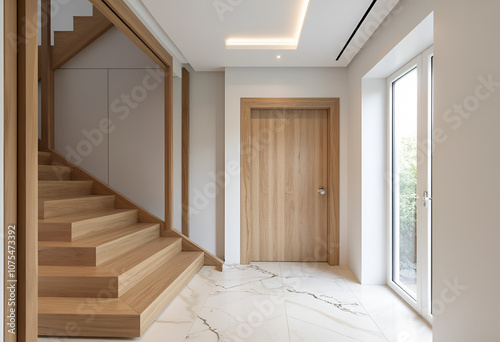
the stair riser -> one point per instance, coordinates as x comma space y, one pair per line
63, 189
90, 256
139, 272
120, 246
44, 158
53, 232
58, 208
72, 231
89, 324
66, 256
54, 173
92, 287
104, 287
100, 224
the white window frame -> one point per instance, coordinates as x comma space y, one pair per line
423, 303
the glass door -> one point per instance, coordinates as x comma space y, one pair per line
410, 103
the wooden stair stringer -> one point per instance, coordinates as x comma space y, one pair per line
86, 30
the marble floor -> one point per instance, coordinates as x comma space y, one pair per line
282, 302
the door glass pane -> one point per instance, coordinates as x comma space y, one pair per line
405, 97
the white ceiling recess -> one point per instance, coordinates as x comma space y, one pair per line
199, 30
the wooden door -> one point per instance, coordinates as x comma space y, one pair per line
289, 163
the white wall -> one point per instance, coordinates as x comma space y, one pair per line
374, 198
136, 160
109, 111
466, 185
277, 82
206, 160
367, 177
466, 176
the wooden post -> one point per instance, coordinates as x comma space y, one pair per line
10, 156
185, 152
27, 167
47, 78
169, 151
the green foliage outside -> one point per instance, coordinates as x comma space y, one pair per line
408, 205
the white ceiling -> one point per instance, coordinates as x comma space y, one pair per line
200, 28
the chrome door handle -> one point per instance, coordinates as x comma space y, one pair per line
322, 191
427, 199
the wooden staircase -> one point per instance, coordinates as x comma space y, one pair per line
67, 44
104, 271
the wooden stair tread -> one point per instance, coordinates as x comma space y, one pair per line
85, 216
112, 268
74, 306
75, 198
144, 293
131, 314
72, 198
102, 238
48, 167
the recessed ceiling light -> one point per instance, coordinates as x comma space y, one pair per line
278, 57
271, 43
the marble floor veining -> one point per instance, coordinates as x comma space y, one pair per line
282, 302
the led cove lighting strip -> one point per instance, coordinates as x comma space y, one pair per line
270, 43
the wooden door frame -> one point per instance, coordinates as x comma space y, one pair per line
332, 107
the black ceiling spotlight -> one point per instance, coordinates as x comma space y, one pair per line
357, 28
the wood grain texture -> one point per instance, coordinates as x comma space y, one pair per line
116, 276
99, 188
169, 151
70, 228
267, 147
63, 189
289, 164
48, 208
10, 138
144, 216
27, 190
47, 78
44, 158
188, 245
96, 249
334, 182
86, 30
114, 319
124, 19
128, 316
148, 298
54, 172
185, 151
